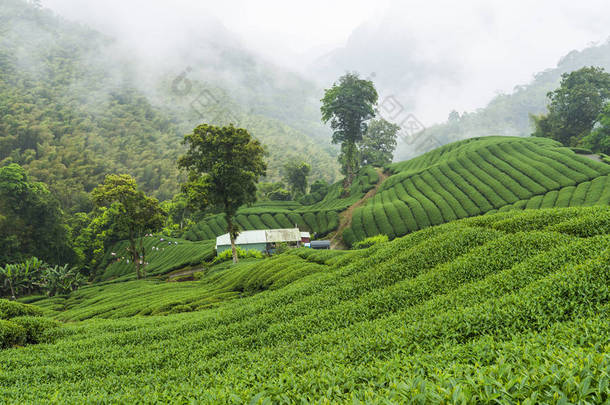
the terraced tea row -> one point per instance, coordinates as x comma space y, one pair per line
320, 218
504, 307
474, 177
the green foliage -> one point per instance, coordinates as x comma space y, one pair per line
73, 109
378, 143
371, 241
60, 280
582, 151
317, 192
599, 138
11, 334
31, 222
241, 253
463, 312
37, 329
226, 164
347, 106
134, 213
21, 278
12, 309
164, 256
272, 192
476, 176
295, 174
575, 106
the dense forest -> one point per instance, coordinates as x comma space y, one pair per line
74, 109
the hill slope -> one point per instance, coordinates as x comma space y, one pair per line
458, 180
74, 108
477, 176
505, 307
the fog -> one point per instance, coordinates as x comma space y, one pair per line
435, 56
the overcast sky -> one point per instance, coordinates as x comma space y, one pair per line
497, 44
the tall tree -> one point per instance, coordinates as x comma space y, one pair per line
136, 213
378, 143
295, 174
348, 105
224, 165
575, 106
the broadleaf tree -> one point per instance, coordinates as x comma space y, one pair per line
378, 143
224, 165
575, 106
136, 213
347, 106
295, 174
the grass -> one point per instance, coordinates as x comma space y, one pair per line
501, 308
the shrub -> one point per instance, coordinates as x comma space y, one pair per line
11, 334
37, 329
582, 151
227, 255
12, 309
370, 241
180, 309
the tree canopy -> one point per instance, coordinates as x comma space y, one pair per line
378, 143
347, 106
575, 106
134, 213
31, 221
295, 174
224, 165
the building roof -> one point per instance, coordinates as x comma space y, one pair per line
261, 236
305, 235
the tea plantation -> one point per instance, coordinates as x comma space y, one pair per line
319, 218
476, 176
511, 307
459, 180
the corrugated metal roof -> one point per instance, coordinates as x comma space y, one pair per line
261, 236
305, 235
283, 235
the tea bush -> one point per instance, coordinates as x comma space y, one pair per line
477, 176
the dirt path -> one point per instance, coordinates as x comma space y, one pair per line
173, 276
345, 218
597, 158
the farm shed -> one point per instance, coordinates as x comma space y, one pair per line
262, 240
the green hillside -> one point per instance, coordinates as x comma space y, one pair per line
478, 176
459, 180
74, 109
503, 308
320, 218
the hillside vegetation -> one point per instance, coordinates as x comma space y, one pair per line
320, 218
458, 180
477, 176
508, 307
75, 107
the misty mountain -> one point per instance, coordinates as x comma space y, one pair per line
509, 114
76, 104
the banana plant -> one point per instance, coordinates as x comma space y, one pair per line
8, 274
60, 280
